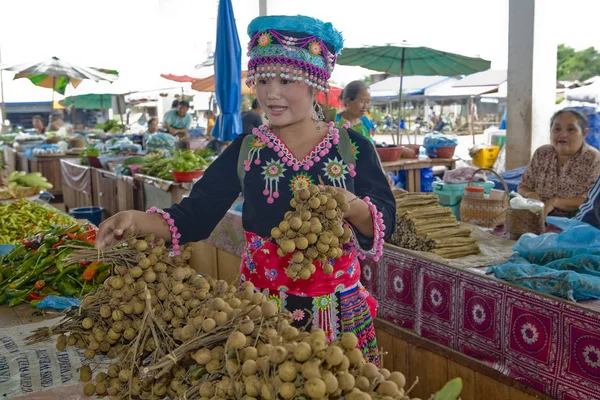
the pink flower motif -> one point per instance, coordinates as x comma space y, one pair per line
257, 161
298, 315
270, 200
266, 192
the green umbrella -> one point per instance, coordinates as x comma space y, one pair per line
407, 60
89, 101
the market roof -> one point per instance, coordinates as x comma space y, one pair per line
389, 88
490, 77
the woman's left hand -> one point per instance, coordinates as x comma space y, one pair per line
549, 206
356, 205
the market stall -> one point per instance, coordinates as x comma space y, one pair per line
77, 184
161, 193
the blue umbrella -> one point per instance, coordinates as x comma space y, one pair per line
228, 75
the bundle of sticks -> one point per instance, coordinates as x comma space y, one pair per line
423, 225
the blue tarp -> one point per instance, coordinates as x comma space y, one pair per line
565, 264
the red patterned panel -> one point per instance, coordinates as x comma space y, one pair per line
369, 277
531, 333
584, 350
437, 298
436, 336
490, 358
403, 321
479, 314
400, 284
527, 379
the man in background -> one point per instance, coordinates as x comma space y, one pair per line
177, 121
252, 119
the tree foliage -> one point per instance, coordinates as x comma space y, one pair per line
577, 65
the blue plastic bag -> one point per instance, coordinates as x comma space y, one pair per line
59, 303
435, 140
426, 179
577, 278
565, 264
575, 235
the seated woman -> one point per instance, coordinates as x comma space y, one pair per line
152, 130
356, 99
560, 174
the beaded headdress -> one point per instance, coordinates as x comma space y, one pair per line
296, 48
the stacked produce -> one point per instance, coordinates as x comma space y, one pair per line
182, 161
170, 332
423, 225
42, 265
21, 184
23, 218
314, 231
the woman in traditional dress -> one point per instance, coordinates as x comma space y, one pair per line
291, 59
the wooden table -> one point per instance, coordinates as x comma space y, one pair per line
413, 169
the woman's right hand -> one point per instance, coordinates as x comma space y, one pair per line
111, 230
141, 223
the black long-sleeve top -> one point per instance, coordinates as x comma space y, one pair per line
211, 197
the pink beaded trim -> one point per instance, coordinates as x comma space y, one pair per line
378, 233
174, 234
286, 156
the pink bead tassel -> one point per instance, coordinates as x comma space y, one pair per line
378, 233
172, 228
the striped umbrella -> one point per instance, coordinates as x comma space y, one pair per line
57, 74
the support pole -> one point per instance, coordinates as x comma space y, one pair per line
262, 8
530, 95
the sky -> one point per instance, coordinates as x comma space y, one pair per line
143, 38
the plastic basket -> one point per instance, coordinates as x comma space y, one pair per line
485, 158
441, 152
387, 154
487, 213
187, 176
450, 194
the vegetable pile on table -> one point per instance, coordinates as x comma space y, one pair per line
170, 332
21, 184
182, 161
24, 218
41, 266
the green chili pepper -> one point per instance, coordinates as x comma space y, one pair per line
51, 240
15, 301
15, 292
34, 303
66, 289
73, 267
